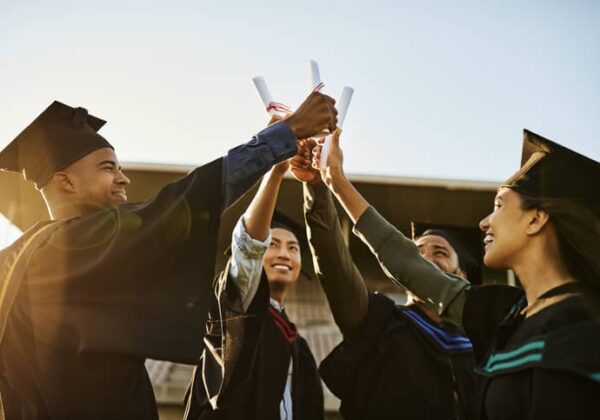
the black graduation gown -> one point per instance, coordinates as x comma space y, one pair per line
100, 293
400, 365
260, 373
546, 366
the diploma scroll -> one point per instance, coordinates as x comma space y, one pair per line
343, 103
342, 107
272, 107
314, 76
315, 85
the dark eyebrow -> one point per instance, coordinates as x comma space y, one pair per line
111, 163
288, 243
442, 247
108, 162
436, 247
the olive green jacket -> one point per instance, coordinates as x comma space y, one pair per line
342, 282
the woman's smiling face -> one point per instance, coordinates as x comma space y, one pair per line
505, 229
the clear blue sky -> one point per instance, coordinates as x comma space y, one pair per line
442, 88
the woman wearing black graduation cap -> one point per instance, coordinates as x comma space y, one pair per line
545, 355
538, 348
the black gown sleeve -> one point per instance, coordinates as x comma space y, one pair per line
138, 280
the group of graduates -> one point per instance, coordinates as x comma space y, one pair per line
87, 296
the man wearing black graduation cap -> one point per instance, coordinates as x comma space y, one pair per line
87, 296
395, 361
274, 376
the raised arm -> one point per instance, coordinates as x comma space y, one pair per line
252, 236
245, 164
342, 282
397, 255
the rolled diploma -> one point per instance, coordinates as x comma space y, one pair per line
343, 103
342, 107
314, 76
272, 107
263, 90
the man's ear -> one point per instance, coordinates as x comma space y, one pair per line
64, 182
539, 219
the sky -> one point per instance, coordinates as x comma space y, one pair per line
443, 89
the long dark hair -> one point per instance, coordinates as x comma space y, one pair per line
578, 232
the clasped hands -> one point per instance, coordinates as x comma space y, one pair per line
315, 114
306, 165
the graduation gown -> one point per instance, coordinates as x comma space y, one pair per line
546, 366
88, 299
264, 346
401, 365
103, 291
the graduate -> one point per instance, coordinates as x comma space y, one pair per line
395, 361
537, 348
275, 374
88, 295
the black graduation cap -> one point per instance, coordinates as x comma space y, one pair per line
58, 137
550, 170
283, 221
466, 241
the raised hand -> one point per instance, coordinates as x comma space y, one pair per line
314, 115
334, 167
300, 164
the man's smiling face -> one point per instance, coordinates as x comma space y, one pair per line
282, 259
98, 180
439, 251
